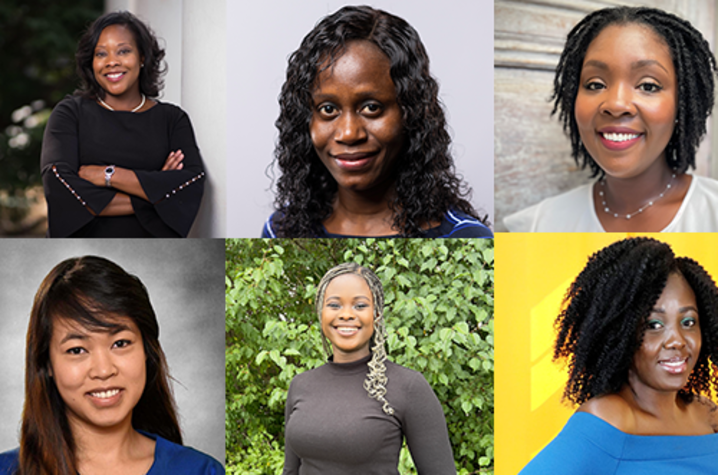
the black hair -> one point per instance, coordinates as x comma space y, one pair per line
604, 317
151, 82
426, 183
693, 61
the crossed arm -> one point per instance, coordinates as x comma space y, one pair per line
125, 182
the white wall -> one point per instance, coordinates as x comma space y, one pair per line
458, 35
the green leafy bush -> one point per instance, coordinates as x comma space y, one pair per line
439, 318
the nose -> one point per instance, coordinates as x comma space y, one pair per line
103, 366
619, 101
350, 128
674, 339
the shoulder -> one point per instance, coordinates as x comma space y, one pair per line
612, 409
706, 185
706, 410
585, 445
408, 381
9, 461
461, 225
69, 106
554, 213
177, 459
268, 228
169, 111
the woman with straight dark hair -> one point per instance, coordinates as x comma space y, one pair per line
116, 162
97, 391
351, 415
363, 144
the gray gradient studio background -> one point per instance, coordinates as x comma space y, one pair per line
458, 36
185, 280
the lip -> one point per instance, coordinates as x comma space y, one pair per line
627, 137
122, 74
353, 330
100, 397
354, 161
674, 365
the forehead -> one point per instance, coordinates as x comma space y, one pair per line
678, 290
630, 41
62, 326
348, 284
115, 34
362, 64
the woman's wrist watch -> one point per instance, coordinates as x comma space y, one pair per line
109, 171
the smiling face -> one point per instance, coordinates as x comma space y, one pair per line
100, 375
117, 61
356, 124
671, 342
626, 102
348, 317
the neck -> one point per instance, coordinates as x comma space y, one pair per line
362, 213
108, 443
125, 102
627, 195
662, 405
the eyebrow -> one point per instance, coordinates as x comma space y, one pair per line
355, 297
634, 65
680, 310
84, 336
118, 45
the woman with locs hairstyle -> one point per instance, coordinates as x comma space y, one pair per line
639, 331
117, 162
633, 90
351, 415
98, 398
358, 163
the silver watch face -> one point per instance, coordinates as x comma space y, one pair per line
110, 170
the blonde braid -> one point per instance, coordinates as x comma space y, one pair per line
376, 380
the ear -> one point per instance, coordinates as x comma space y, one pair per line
49, 370
142, 62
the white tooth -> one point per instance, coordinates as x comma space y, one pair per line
614, 137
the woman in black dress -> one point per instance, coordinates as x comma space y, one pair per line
115, 161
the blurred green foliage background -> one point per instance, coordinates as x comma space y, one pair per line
439, 318
38, 39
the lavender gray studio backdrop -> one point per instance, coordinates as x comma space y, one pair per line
458, 36
185, 280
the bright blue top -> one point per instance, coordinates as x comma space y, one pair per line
454, 225
588, 445
170, 459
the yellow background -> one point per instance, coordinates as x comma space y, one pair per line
532, 274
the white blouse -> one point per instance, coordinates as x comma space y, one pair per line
574, 211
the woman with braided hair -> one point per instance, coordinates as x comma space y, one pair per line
639, 331
363, 145
633, 89
351, 415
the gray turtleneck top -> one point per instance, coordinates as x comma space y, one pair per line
334, 427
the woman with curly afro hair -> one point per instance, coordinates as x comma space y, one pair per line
117, 162
639, 331
363, 147
633, 90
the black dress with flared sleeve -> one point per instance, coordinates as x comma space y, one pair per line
81, 132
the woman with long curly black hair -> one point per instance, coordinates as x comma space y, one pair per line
633, 89
116, 162
639, 331
363, 147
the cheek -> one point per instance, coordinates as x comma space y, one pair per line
583, 112
318, 133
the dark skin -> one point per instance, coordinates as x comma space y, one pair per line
648, 403
625, 111
357, 132
117, 63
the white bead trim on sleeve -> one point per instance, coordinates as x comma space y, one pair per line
67, 185
185, 185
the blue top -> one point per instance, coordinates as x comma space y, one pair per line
455, 224
591, 446
170, 459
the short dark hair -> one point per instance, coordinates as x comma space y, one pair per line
604, 317
426, 185
151, 82
91, 291
693, 61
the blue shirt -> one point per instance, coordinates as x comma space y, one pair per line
170, 459
588, 445
455, 224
